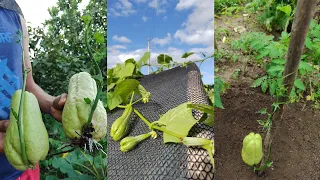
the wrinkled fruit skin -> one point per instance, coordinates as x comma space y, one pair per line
34, 131
120, 126
252, 149
76, 111
128, 143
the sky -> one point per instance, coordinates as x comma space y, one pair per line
173, 26
36, 11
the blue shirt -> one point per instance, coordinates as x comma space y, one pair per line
10, 75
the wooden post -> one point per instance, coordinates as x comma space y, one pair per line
302, 18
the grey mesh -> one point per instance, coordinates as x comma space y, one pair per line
151, 159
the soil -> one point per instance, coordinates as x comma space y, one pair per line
295, 151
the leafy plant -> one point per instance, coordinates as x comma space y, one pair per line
271, 54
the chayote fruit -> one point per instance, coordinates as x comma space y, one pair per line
120, 126
76, 111
34, 133
252, 149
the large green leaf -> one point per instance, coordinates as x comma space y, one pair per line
178, 120
164, 59
125, 88
125, 70
113, 100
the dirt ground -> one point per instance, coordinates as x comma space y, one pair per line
295, 151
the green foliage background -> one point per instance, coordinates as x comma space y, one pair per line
58, 52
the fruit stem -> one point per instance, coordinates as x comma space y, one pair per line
97, 70
20, 124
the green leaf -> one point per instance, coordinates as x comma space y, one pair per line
305, 66
125, 88
217, 98
273, 87
264, 86
87, 100
178, 120
286, 9
276, 68
86, 19
164, 59
209, 121
144, 59
279, 61
187, 54
299, 84
308, 43
258, 81
113, 100
110, 86
262, 111
207, 109
202, 107
125, 70
99, 37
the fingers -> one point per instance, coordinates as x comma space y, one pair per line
57, 114
59, 101
2, 142
4, 125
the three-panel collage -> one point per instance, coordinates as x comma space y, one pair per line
160, 90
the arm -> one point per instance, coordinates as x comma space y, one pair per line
48, 104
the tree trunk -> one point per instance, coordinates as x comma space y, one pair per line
303, 15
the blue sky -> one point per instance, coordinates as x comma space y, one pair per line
174, 27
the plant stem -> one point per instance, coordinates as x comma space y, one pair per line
97, 69
137, 101
142, 118
168, 132
157, 127
20, 124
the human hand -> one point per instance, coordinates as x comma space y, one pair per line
57, 107
3, 128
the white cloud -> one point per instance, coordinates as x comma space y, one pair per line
198, 28
140, 1
122, 8
121, 39
162, 41
118, 54
158, 5
144, 18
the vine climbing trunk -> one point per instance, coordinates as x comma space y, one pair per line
303, 15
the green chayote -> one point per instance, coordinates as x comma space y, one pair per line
120, 126
34, 132
76, 110
128, 143
252, 149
